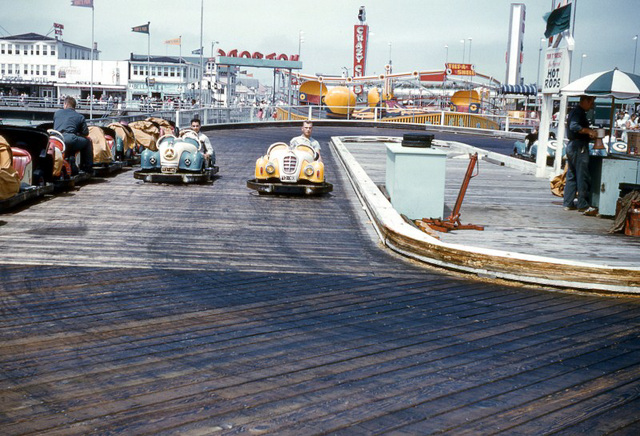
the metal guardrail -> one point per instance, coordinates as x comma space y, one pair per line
413, 116
181, 113
18, 101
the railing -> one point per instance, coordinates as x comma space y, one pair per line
250, 114
181, 113
440, 118
18, 101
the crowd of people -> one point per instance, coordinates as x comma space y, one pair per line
264, 111
626, 122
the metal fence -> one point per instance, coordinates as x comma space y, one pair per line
19, 101
181, 113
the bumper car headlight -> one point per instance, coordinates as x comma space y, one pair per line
308, 171
270, 168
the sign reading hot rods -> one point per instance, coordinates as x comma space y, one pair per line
360, 33
556, 70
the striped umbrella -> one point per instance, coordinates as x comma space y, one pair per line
613, 83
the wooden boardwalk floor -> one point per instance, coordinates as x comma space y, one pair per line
517, 210
216, 311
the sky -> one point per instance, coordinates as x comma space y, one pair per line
412, 33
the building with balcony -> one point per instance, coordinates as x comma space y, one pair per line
34, 65
29, 63
162, 77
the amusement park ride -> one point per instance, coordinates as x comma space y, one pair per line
338, 97
357, 96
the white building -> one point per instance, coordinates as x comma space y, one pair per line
110, 78
29, 63
162, 77
40, 66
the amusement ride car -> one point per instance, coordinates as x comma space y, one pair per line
26, 165
176, 160
290, 170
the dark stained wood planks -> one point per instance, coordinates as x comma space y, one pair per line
220, 312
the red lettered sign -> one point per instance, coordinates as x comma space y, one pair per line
360, 33
460, 70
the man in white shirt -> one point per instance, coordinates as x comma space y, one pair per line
305, 138
209, 154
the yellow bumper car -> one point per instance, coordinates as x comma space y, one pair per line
290, 170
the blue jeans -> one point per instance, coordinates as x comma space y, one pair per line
578, 175
75, 143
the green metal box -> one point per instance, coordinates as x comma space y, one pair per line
415, 180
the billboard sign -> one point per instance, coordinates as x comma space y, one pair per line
556, 63
460, 70
360, 34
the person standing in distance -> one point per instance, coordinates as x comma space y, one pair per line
209, 155
579, 135
74, 130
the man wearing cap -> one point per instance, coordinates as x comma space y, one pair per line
579, 135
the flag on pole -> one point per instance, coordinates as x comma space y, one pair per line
197, 51
144, 28
558, 21
174, 41
84, 3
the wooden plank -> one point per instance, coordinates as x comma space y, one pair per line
220, 311
267, 417
518, 212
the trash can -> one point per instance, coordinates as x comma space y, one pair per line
415, 179
632, 223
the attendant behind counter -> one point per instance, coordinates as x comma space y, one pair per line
579, 135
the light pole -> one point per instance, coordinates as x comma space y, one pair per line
539, 55
469, 49
212, 44
300, 41
635, 54
389, 53
201, 47
446, 54
346, 74
464, 47
581, 61
213, 66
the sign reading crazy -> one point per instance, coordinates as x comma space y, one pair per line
360, 33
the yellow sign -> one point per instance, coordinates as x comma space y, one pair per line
460, 70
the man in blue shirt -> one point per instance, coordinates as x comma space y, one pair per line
579, 135
74, 129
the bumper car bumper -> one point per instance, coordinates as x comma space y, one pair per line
104, 169
67, 184
24, 195
300, 188
187, 178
